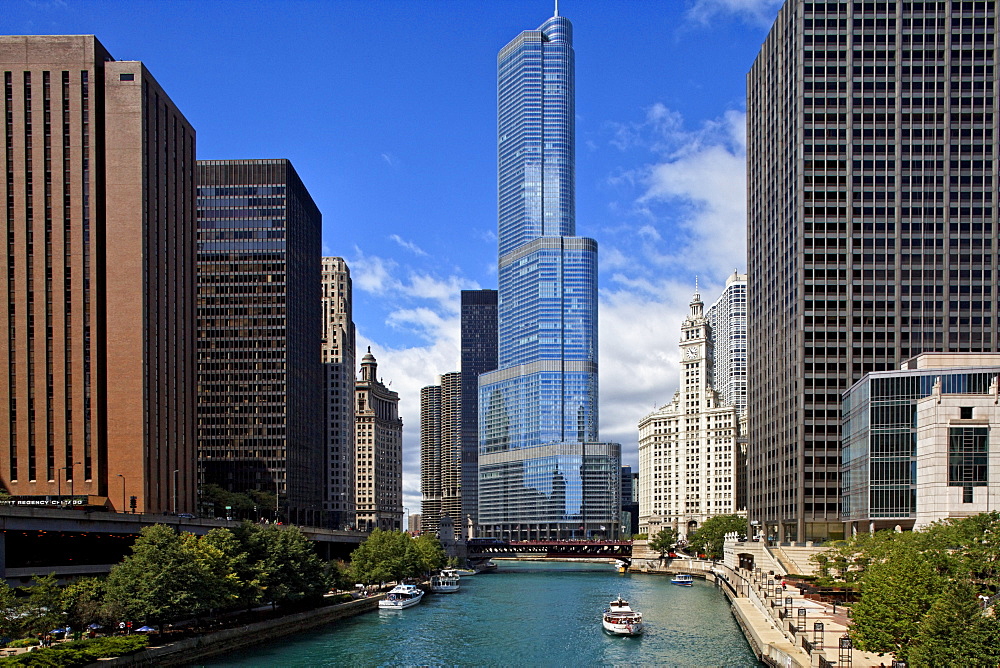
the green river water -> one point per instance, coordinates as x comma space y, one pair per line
527, 614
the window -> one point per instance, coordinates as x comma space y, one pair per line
966, 412
126, 76
967, 456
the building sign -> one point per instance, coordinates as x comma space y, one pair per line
45, 501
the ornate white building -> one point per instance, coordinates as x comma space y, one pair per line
688, 451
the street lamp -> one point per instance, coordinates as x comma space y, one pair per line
176, 471
276, 491
72, 482
123, 492
70, 479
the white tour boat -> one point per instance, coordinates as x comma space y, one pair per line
621, 620
401, 596
683, 579
445, 582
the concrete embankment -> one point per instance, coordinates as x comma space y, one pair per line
191, 650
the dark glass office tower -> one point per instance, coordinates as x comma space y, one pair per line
872, 224
479, 355
542, 472
260, 398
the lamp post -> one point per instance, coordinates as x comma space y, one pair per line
406, 518
176, 471
123, 492
276, 491
72, 483
70, 479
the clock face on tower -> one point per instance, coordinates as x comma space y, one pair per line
691, 353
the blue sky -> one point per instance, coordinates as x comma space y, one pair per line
387, 109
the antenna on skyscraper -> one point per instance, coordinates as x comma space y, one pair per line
557, 8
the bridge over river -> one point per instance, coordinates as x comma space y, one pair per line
480, 549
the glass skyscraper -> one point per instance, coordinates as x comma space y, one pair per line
542, 471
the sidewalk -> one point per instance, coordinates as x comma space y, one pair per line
835, 626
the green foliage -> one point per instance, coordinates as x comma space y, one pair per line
79, 652
431, 554
83, 602
41, 610
918, 590
955, 632
338, 575
708, 539
285, 563
895, 594
663, 541
640, 536
242, 505
10, 617
385, 556
164, 578
24, 642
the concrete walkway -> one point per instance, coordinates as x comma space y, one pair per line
777, 622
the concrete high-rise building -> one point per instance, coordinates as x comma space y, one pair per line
727, 320
872, 224
260, 379
338, 364
689, 456
98, 390
441, 452
479, 355
542, 471
378, 451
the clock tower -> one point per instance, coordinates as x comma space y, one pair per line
696, 356
689, 457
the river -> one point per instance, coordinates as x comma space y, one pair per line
528, 613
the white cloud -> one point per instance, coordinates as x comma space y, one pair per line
406, 370
758, 12
371, 273
682, 215
408, 245
390, 159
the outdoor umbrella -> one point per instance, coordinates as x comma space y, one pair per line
145, 629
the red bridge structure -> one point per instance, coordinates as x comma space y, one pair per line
562, 549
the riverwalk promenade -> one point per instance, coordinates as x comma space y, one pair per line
783, 627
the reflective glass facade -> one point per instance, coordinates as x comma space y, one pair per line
881, 437
541, 471
260, 379
479, 355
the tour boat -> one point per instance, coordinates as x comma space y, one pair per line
621, 620
683, 579
445, 582
401, 596
487, 567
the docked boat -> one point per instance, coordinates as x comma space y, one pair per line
401, 596
445, 582
487, 567
621, 620
682, 579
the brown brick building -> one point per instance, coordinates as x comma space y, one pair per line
98, 386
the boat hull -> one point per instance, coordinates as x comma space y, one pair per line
398, 605
616, 629
444, 589
401, 597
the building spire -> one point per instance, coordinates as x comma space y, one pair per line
557, 8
